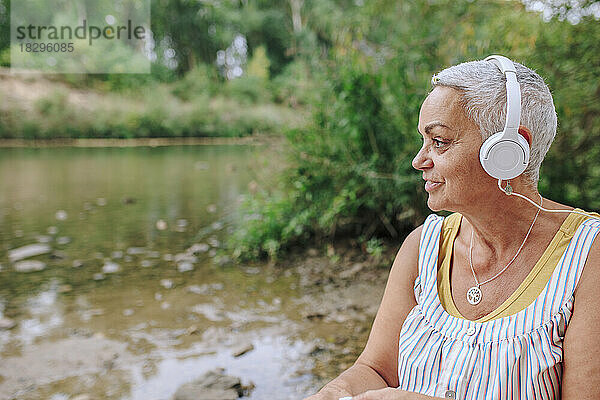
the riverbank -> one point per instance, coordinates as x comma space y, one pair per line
46, 107
258, 140
341, 293
113, 283
313, 330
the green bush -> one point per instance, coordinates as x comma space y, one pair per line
351, 175
297, 84
569, 56
247, 90
5, 57
350, 171
202, 81
192, 107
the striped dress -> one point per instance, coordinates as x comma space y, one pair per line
515, 357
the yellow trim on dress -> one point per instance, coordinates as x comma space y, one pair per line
532, 285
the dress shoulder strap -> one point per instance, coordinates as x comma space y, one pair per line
563, 283
428, 251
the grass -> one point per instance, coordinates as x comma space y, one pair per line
37, 107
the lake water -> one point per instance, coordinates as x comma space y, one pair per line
135, 299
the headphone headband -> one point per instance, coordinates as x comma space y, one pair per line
513, 94
505, 155
504, 64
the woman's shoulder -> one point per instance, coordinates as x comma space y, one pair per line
411, 242
569, 222
578, 217
451, 221
406, 261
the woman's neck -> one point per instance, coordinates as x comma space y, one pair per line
500, 223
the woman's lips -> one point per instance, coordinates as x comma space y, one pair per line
429, 185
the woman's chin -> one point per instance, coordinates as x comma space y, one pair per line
434, 205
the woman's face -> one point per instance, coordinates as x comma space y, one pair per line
449, 157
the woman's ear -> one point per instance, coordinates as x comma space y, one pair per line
526, 133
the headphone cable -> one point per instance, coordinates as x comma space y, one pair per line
508, 191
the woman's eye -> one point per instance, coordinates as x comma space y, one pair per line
438, 143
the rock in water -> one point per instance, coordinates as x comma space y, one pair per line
30, 250
43, 238
62, 240
214, 385
167, 283
98, 277
240, 351
29, 266
7, 323
110, 267
198, 248
136, 251
82, 397
185, 266
161, 225
192, 393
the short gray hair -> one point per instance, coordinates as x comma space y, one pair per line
483, 89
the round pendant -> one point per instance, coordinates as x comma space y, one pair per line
474, 295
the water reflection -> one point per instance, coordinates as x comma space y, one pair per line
132, 300
272, 353
44, 312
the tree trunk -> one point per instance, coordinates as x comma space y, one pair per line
295, 6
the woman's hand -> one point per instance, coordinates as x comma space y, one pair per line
392, 394
325, 396
379, 394
320, 397
382, 394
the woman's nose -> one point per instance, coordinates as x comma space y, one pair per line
422, 160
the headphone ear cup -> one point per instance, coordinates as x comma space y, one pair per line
504, 158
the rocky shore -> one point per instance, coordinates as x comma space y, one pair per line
336, 296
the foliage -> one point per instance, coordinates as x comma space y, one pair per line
570, 56
351, 171
362, 68
262, 233
375, 247
572, 11
350, 174
159, 110
259, 64
298, 84
200, 81
248, 89
4, 33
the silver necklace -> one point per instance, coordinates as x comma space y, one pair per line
474, 294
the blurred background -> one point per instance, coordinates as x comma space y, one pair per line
235, 212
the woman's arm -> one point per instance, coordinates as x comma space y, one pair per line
353, 380
393, 394
377, 366
581, 372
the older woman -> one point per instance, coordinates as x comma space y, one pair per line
497, 300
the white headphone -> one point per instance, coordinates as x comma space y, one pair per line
505, 155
